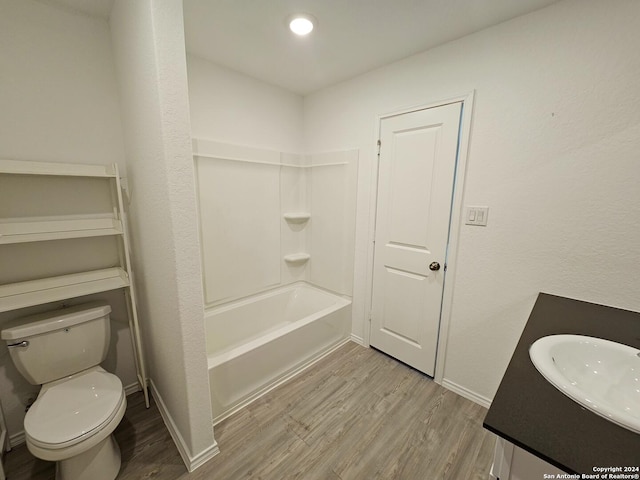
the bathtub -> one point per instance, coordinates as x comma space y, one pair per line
256, 343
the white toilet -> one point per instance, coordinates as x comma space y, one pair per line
80, 404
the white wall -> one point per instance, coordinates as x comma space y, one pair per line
148, 40
233, 108
59, 98
553, 153
58, 102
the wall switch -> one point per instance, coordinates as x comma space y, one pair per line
477, 216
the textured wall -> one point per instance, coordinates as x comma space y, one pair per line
148, 41
553, 153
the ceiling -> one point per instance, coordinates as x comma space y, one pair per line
352, 36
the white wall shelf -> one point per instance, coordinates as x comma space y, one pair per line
297, 217
46, 289
297, 258
24, 167
36, 292
19, 230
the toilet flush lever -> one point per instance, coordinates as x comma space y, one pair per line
22, 344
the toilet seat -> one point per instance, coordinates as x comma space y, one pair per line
72, 410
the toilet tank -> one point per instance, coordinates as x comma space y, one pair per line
55, 344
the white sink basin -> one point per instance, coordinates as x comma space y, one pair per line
600, 375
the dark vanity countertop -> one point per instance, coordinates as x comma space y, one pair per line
532, 414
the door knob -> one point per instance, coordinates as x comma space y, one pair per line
434, 266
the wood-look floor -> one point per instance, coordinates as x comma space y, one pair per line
357, 414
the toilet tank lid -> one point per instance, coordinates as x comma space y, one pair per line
51, 320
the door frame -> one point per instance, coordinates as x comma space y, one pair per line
455, 221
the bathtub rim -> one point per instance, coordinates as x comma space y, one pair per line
223, 306
216, 359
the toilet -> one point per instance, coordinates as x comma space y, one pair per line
80, 404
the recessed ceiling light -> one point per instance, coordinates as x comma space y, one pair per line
301, 24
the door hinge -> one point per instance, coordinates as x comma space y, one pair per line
379, 145
445, 267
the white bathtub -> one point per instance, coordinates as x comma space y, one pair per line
256, 343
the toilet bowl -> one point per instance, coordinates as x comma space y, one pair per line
71, 422
80, 404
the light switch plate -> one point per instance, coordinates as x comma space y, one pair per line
476, 216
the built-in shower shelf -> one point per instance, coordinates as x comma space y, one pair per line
52, 289
297, 217
20, 230
297, 258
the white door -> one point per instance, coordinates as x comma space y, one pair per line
418, 153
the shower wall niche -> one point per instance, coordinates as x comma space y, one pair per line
270, 218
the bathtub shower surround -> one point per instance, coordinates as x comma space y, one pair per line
269, 219
277, 236
239, 204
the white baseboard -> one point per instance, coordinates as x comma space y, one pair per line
203, 457
466, 393
356, 339
132, 388
17, 438
190, 462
